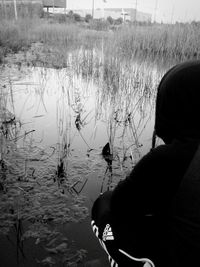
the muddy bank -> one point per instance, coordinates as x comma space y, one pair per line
37, 55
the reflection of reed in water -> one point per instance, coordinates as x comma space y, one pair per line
124, 100
10, 207
81, 115
27, 190
64, 178
125, 94
108, 157
71, 117
10, 128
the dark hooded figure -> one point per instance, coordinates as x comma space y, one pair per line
152, 218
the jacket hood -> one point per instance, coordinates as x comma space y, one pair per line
178, 102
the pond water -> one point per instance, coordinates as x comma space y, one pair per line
70, 118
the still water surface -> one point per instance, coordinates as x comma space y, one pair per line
75, 117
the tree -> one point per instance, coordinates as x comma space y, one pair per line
77, 17
88, 17
110, 20
70, 14
118, 21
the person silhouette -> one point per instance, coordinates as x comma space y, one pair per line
152, 217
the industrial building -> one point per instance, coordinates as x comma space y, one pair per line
131, 14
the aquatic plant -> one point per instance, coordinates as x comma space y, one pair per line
14, 36
157, 41
35, 195
179, 42
30, 195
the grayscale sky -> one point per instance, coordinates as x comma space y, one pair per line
166, 10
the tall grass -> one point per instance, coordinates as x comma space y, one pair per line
19, 35
56, 34
178, 42
15, 35
68, 36
157, 42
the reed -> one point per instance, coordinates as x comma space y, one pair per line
56, 34
15, 36
67, 37
177, 42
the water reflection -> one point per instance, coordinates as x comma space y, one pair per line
85, 134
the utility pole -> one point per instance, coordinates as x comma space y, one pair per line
103, 11
185, 16
53, 7
172, 14
4, 9
136, 3
155, 10
92, 8
65, 6
15, 9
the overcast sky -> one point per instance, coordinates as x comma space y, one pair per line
166, 10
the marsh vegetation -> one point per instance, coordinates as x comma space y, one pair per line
177, 42
76, 114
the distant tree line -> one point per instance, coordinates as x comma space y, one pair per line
75, 17
31, 10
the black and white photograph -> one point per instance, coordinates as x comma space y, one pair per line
99, 133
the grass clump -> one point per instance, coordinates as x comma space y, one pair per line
14, 36
178, 42
157, 42
56, 35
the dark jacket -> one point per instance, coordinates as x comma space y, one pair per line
142, 204
145, 211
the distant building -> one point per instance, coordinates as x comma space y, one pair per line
54, 3
124, 13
